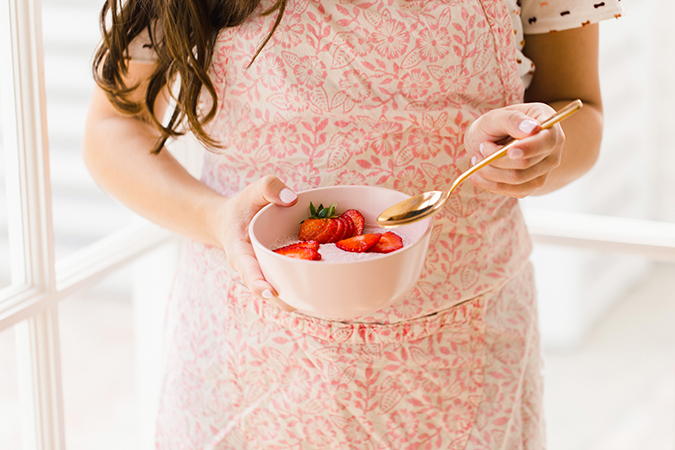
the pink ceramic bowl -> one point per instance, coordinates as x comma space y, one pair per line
339, 289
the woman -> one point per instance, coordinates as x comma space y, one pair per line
300, 94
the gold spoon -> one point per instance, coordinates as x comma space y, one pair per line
429, 203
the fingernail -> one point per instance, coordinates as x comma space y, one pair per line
515, 153
480, 148
527, 125
267, 294
287, 196
473, 160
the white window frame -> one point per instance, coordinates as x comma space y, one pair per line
39, 283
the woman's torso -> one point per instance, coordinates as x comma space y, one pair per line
381, 93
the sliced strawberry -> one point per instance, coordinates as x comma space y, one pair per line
299, 251
321, 226
388, 243
358, 221
329, 233
360, 243
345, 228
340, 231
314, 245
320, 230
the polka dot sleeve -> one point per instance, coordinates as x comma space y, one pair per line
544, 16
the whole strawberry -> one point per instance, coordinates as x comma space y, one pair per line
322, 226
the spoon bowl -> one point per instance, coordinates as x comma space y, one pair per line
429, 203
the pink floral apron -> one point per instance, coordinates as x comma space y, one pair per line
362, 92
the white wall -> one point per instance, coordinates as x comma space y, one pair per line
633, 176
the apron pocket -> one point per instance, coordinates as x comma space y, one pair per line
325, 384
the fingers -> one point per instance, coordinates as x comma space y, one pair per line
499, 124
528, 164
515, 121
527, 152
236, 241
516, 182
521, 190
518, 176
248, 268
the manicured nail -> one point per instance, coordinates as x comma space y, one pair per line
480, 148
287, 196
515, 153
473, 160
267, 294
527, 125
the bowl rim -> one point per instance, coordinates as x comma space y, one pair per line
268, 251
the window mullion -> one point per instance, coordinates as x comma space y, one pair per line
8, 115
38, 363
32, 143
37, 336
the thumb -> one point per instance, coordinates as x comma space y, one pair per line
498, 125
271, 189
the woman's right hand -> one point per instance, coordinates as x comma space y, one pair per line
234, 218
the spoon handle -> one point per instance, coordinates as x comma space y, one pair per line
563, 113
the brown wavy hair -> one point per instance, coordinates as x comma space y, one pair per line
183, 48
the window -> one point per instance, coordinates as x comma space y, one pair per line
81, 213
5, 267
39, 280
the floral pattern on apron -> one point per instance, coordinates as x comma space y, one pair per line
378, 92
373, 92
241, 374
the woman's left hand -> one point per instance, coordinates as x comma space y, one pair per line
526, 166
